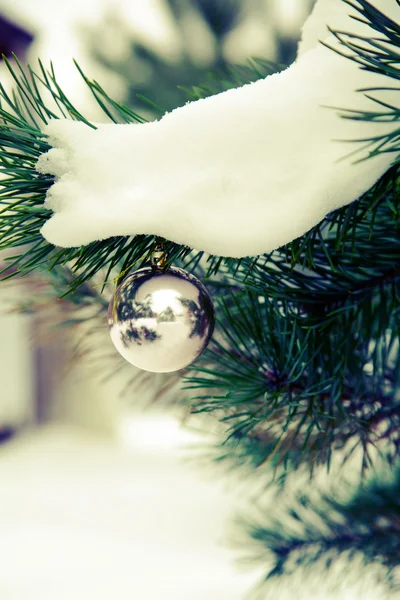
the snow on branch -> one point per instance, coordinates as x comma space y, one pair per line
237, 174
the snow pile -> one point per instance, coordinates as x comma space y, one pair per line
237, 174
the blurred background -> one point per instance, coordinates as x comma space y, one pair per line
96, 500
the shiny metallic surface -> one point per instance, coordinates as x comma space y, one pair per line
161, 321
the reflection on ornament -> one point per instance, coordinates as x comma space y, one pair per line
161, 321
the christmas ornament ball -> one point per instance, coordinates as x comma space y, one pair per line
161, 321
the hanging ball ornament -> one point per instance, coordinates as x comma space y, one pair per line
161, 321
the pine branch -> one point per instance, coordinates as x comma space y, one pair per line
310, 534
232, 76
293, 391
377, 55
336, 292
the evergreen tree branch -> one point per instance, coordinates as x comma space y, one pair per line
378, 55
314, 533
339, 299
298, 392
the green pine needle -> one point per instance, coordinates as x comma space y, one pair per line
312, 531
379, 55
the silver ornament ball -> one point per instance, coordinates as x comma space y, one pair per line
161, 321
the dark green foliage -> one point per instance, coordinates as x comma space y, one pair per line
304, 532
314, 367
378, 55
232, 76
308, 360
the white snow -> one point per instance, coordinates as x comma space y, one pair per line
237, 174
82, 519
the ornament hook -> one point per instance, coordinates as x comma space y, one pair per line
159, 256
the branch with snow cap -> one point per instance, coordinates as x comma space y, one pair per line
237, 174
